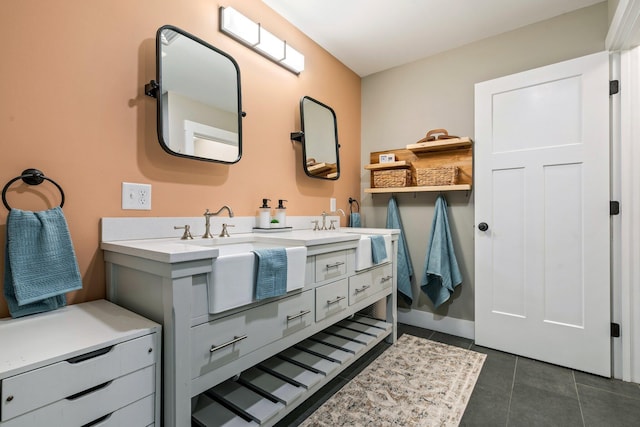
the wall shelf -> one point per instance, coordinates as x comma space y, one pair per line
456, 152
415, 189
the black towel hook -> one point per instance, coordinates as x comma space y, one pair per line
31, 177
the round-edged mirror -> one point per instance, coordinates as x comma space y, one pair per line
319, 137
198, 98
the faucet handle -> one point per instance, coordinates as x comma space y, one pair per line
187, 231
315, 227
224, 232
333, 224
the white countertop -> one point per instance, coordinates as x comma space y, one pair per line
172, 250
33, 341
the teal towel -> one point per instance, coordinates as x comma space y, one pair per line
40, 263
441, 273
354, 220
271, 272
378, 249
405, 268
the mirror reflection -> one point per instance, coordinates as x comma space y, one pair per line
319, 139
199, 104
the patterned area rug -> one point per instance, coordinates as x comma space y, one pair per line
416, 382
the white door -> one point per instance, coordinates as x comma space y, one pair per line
542, 190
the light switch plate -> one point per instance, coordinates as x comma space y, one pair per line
136, 196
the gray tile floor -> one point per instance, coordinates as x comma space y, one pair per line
515, 391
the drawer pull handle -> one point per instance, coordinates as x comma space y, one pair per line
338, 299
362, 289
227, 344
386, 279
295, 316
88, 391
336, 265
98, 421
9, 398
90, 355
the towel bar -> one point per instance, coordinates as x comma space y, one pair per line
31, 177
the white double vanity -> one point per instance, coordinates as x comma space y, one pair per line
227, 358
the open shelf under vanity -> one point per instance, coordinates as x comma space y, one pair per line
265, 393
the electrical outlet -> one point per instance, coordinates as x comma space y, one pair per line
136, 196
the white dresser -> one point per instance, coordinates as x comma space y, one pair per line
90, 364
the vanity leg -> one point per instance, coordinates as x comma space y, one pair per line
177, 323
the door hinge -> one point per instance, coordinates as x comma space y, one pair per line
614, 207
614, 87
615, 330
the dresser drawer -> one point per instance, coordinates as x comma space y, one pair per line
222, 341
95, 403
332, 265
332, 299
136, 414
34, 389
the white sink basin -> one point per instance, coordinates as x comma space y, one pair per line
232, 281
364, 258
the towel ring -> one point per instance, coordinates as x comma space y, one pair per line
31, 177
351, 202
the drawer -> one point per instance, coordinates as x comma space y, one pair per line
331, 265
95, 403
34, 389
367, 283
140, 413
331, 299
383, 276
217, 343
239, 334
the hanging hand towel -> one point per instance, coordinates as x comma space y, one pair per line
441, 273
271, 275
40, 263
405, 268
378, 249
354, 219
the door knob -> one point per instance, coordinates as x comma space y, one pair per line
483, 226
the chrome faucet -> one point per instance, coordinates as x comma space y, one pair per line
207, 223
324, 219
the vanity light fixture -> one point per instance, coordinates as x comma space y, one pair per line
251, 34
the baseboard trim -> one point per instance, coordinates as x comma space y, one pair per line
447, 325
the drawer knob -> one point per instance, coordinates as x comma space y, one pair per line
150, 350
9, 398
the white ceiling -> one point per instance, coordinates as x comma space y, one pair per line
374, 35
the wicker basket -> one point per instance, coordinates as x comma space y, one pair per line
446, 175
391, 178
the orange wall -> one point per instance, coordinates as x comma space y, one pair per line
72, 105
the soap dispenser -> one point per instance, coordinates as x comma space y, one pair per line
264, 219
281, 214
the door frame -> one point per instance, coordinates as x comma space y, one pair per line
623, 34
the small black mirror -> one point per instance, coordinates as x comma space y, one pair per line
198, 97
319, 137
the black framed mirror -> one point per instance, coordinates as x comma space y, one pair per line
199, 112
319, 138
